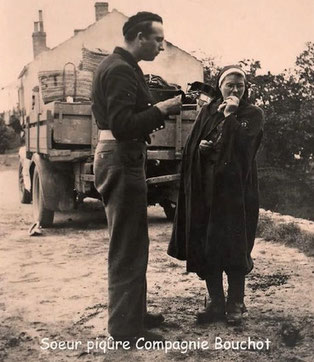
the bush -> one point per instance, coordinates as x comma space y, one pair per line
7, 137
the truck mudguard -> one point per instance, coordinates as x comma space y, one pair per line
56, 180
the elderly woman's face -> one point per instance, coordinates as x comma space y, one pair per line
233, 85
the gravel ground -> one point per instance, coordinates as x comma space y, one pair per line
54, 289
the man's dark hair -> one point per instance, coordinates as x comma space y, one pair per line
141, 22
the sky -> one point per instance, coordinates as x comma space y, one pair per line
272, 31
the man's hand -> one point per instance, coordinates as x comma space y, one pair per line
231, 105
170, 106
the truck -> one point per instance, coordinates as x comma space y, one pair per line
56, 163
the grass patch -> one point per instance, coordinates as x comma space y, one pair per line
286, 192
286, 233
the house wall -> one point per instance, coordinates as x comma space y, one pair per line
174, 65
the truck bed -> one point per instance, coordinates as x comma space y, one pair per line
67, 131
62, 131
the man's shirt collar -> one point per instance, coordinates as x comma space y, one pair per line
127, 56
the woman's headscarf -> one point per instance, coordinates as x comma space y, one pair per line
230, 69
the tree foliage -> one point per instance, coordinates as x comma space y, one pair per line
15, 124
7, 136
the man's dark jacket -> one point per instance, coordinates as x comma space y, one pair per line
121, 98
227, 239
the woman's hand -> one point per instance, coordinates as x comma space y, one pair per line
222, 106
232, 104
229, 105
205, 146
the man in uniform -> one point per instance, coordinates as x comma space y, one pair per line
125, 114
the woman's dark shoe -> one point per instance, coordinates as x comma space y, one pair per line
213, 313
235, 303
244, 309
153, 320
235, 312
215, 310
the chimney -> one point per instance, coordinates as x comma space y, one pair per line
101, 9
41, 22
39, 36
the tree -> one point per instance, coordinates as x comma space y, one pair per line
288, 103
210, 70
15, 124
7, 136
305, 71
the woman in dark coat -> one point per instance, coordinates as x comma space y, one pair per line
217, 210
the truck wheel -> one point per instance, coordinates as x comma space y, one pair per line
41, 214
169, 209
25, 195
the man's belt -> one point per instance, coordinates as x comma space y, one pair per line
105, 135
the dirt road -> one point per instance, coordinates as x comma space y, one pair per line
53, 289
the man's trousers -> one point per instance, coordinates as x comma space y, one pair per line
119, 169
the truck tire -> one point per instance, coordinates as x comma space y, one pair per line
25, 195
169, 209
41, 214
